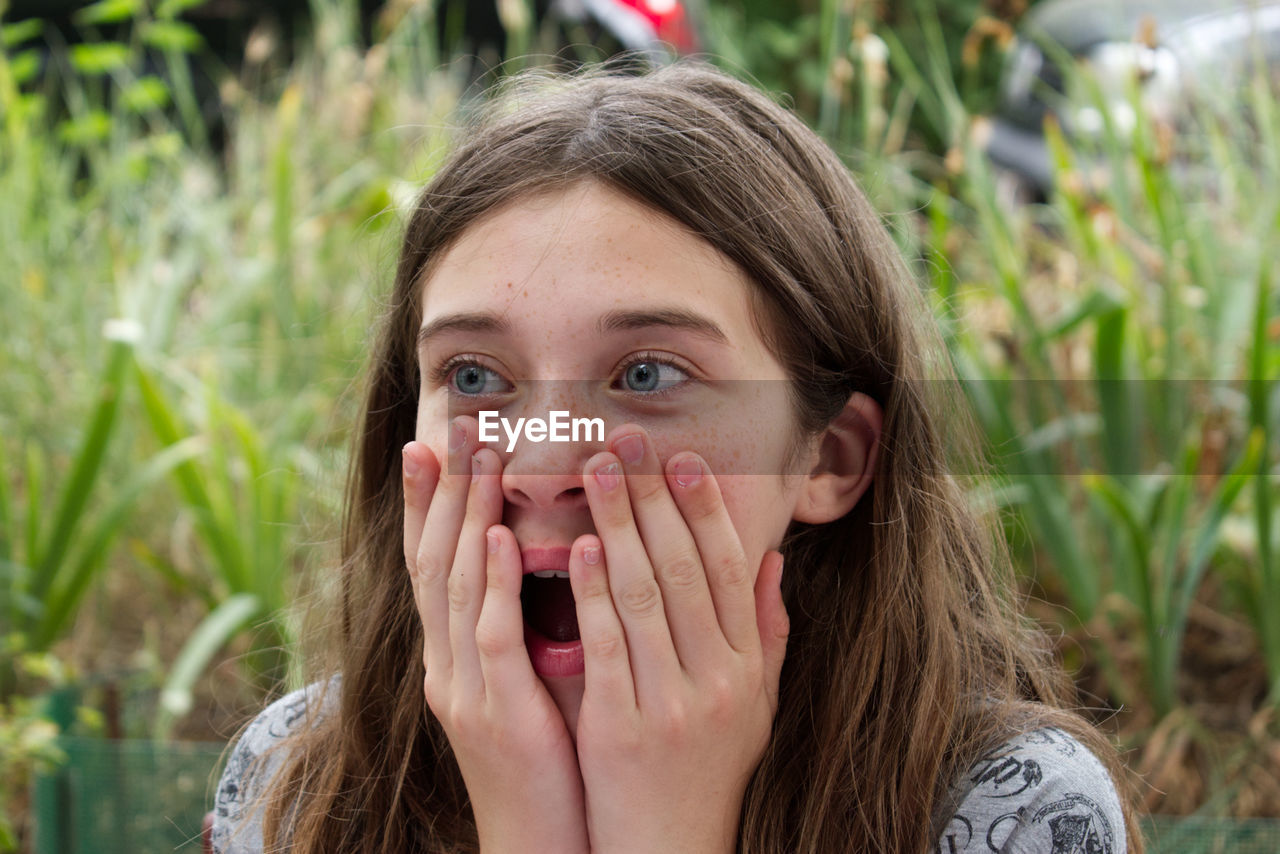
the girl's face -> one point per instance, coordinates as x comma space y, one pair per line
582, 300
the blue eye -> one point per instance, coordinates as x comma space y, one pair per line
645, 376
469, 378
653, 377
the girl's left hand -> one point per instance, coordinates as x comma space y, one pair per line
683, 654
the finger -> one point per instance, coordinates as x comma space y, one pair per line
509, 680
701, 504
439, 543
774, 624
467, 575
421, 473
607, 664
632, 587
677, 564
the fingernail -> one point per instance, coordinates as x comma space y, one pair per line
688, 472
457, 436
477, 467
492, 539
630, 449
607, 476
411, 467
591, 554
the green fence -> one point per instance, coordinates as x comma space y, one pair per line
125, 796
145, 797
1194, 835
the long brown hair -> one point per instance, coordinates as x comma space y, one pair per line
907, 658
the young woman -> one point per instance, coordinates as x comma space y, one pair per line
680, 258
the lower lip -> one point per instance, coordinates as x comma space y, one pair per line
553, 658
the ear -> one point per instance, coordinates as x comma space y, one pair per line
845, 462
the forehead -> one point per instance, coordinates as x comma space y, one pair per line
571, 255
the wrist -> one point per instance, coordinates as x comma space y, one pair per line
523, 846
670, 840
523, 841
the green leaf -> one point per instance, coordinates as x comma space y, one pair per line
1206, 535
20, 31
170, 9
222, 624
24, 66
146, 95
1117, 394
88, 129
1061, 431
109, 12
35, 479
1098, 302
172, 35
87, 464
217, 525
20, 609
66, 594
8, 528
1133, 569
99, 58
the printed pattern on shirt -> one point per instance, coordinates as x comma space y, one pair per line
237, 825
1040, 792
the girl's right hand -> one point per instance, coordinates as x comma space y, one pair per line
511, 742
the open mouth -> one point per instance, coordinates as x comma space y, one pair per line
550, 614
548, 606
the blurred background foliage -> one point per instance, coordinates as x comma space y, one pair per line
194, 243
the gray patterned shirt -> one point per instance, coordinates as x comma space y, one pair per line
1041, 792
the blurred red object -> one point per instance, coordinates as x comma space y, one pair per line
669, 20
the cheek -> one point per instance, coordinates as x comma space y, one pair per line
758, 512
753, 494
426, 423
741, 502
734, 442
432, 429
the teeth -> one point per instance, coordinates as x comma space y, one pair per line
551, 573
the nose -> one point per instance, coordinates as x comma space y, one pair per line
546, 473
556, 488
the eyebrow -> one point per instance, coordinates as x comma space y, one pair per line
613, 321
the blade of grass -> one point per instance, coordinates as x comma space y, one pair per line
836, 20
222, 624
85, 467
1206, 537
7, 533
1046, 506
1260, 387
1117, 393
216, 527
35, 499
64, 597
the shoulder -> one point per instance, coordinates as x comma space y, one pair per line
1042, 790
237, 828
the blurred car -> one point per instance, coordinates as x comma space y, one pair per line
1179, 51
